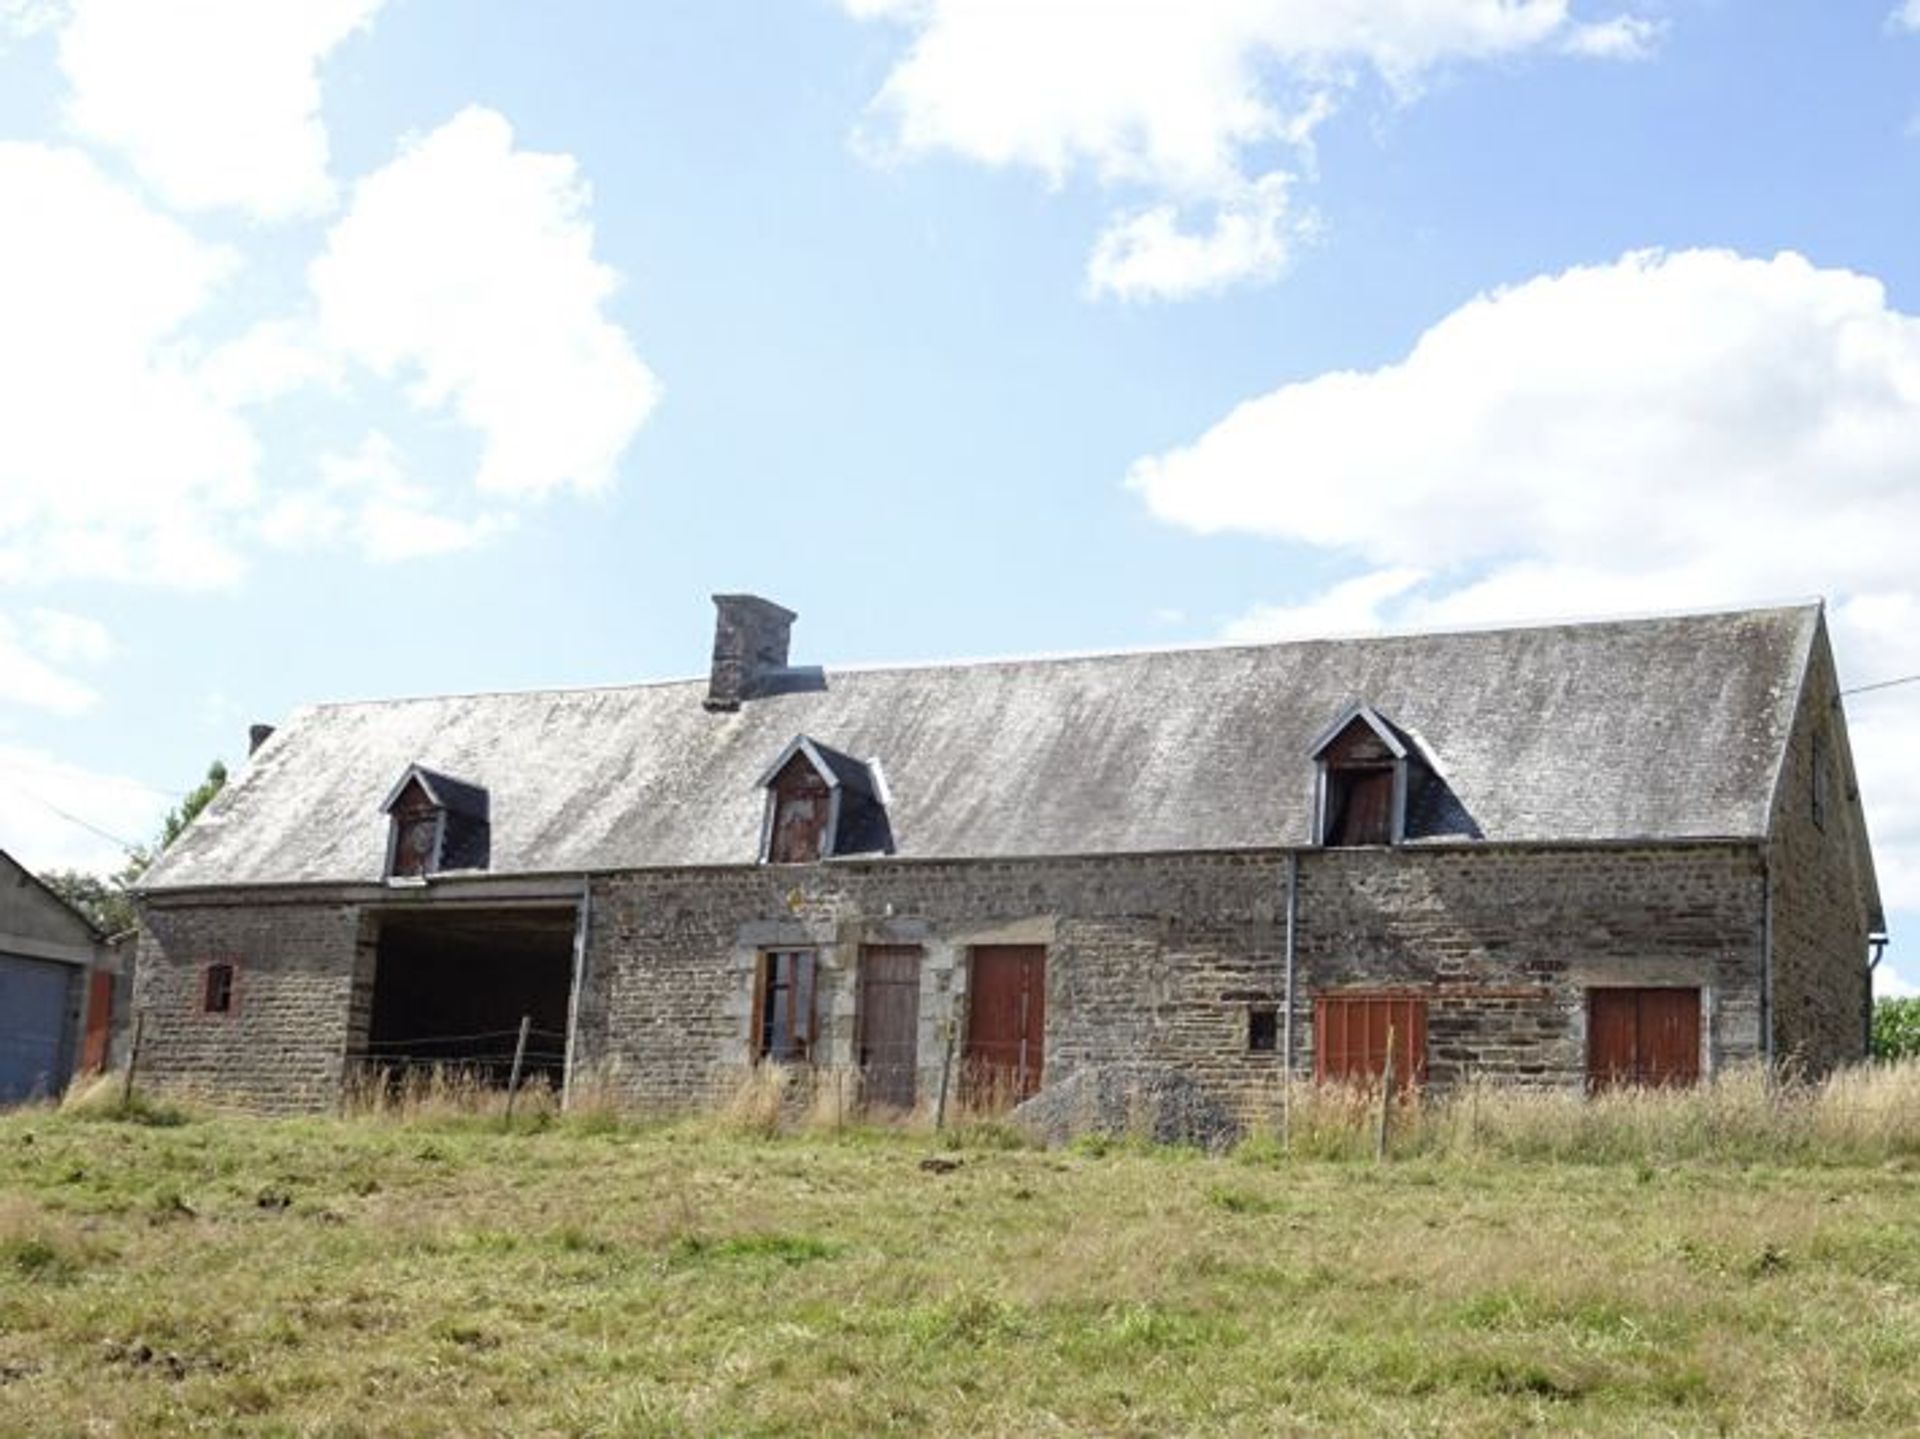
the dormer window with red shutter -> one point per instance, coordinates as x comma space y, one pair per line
1367, 767
435, 823
821, 804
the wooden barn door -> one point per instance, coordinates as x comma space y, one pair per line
1642, 1036
1006, 1022
889, 1024
99, 1024
1350, 1036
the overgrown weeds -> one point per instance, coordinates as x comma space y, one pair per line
1867, 1114
105, 1097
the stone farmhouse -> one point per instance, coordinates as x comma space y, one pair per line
1563, 855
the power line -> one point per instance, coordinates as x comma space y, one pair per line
93, 829
120, 780
1881, 685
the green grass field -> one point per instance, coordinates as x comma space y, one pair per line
416, 1277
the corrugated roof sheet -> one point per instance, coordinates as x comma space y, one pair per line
1662, 728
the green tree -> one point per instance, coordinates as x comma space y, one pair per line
1896, 1028
107, 900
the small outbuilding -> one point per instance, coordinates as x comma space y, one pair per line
57, 980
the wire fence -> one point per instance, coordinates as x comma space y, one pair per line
454, 1067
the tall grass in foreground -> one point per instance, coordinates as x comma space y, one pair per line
1866, 1114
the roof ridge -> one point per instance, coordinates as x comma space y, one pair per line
1488, 627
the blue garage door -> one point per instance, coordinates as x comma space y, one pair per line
36, 1026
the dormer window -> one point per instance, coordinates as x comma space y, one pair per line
435, 823
1367, 767
822, 803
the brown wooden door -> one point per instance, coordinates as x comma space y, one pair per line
1369, 811
99, 1023
1613, 1037
1643, 1036
1351, 1033
889, 1024
1006, 1022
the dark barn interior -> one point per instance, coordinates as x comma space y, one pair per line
451, 989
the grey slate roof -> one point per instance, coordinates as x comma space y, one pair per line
1665, 728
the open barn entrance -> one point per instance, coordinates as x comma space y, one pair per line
450, 988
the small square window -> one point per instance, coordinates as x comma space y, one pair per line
1263, 1029
216, 993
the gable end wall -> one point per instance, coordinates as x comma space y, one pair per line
1821, 887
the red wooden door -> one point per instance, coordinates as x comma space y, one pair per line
1350, 1037
889, 1024
1669, 1036
1613, 1037
1369, 813
99, 1025
1643, 1036
1006, 1022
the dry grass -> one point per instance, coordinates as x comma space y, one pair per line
420, 1269
434, 1273
1865, 1115
416, 1092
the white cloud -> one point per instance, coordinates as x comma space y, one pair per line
273, 359
1352, 606
1177, 99
365, 496
33, 660
115, 462
1748, 421
1665, 431
1149, 256
216, 103
58, 815
1906, 16
466, 267
464, 272
1625, 37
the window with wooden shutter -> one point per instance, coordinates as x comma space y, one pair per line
1367, 769
802, 805
1360, 806
786, 1006
1352, 1033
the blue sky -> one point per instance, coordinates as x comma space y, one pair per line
360, 348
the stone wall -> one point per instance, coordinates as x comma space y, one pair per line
1139, 951
1149, 958
283, 1042
1505, 944
1821, 886
1162, 958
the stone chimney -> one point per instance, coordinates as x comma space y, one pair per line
749, 640
257, 735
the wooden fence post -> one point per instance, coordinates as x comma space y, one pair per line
1386, 1100
133, 1059
519, 1058
946, 1073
